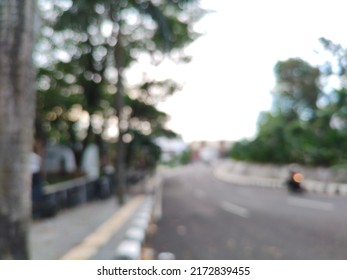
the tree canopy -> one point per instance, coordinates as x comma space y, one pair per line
84, 48
307, 123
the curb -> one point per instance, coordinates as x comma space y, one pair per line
91, 244
222, 172
134, 239
130, 247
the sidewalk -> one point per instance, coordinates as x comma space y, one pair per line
52, 238
92, 230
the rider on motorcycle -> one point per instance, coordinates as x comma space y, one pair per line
294, 182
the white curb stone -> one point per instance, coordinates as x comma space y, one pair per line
128, 250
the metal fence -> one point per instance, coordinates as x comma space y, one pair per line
77, 191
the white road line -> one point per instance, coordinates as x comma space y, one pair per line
235, 209
309, 203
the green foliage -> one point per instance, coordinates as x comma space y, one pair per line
308, 122
297, 90
186, 156
78, 71
142, 152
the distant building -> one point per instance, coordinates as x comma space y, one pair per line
210, 150
171, 148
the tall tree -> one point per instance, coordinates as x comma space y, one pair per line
308, 123
297, 90
113, 35
17, 102
289, 132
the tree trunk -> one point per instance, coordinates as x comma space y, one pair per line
17, 103
120, 159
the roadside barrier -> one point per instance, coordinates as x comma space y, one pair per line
131, 248
71, 193
224, 173
77, 191
135, 236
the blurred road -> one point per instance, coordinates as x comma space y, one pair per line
204, 218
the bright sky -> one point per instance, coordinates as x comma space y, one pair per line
229, 81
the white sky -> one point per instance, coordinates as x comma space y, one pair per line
228, 83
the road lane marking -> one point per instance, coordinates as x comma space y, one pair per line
235, 209
90, 245
309, 203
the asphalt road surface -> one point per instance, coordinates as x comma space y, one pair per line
205, 218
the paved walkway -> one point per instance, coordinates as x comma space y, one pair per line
88, 231
95, 229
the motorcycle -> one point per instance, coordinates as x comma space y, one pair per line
294, 182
